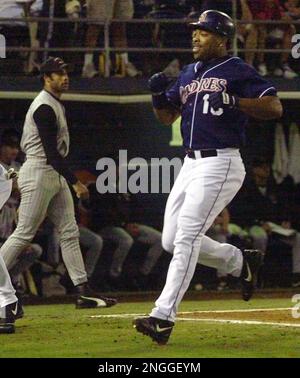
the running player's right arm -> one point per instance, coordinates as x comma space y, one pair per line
166, 116
166, 103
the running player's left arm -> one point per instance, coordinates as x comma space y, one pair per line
264, 108
258, 97
252, 95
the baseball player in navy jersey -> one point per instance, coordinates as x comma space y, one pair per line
43, 182
214, 96
8, 300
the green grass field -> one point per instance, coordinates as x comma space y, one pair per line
62, 331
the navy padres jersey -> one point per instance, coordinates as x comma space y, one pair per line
202, 127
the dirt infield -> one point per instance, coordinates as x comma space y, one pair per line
267, 315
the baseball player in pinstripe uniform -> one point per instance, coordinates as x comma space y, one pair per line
43, 182
215, 96
8, 300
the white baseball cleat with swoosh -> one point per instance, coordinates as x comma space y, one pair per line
15, 311
87, 298
7, 322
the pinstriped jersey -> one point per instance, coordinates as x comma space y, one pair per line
31, 143
203, 127
5, 186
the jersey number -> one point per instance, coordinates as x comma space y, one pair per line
218, 112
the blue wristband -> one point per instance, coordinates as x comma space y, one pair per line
160, 101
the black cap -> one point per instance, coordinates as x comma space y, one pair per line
10, 140
53, 64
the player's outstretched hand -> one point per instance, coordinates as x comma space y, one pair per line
222, 100
158, 83
81, 190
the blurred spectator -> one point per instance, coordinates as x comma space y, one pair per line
223, 231
264, 212
115, 217
169, 35
18, 33
101, 10
292, 8
220, 5
59, 34
73, 9
91, 244
10, 148
246, 32
219, 231
271, 10
32, 8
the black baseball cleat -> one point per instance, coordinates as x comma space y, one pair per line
87, 298
11, 312
6, 327
158, 329
20, 311
7, 323
95, 301
253, 259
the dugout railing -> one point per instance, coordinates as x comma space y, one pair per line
108, 49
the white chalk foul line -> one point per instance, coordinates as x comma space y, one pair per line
208, 320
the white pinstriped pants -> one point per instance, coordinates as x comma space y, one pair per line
7, 292
45, 193
203, 188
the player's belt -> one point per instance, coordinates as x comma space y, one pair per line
201, 153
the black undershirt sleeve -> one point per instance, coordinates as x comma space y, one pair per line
45, 120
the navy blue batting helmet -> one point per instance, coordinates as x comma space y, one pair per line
215, 22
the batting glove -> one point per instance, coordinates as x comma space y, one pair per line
223, 100
11, 174
158, 83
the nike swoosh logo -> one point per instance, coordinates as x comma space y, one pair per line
158, 329
249, 278
100, 302
15, 310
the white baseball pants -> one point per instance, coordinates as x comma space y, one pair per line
7, 292
45, 193
203, 188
